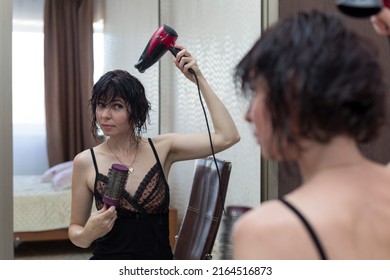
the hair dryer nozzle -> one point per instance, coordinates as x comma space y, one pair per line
162, 40
361, 8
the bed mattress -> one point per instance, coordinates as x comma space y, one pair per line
38, 206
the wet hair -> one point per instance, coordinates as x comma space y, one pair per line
120, 83
319, 76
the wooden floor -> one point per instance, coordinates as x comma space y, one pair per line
50, 250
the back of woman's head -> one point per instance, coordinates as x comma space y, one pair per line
320, 77
121, 84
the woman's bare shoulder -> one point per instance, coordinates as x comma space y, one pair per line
264, 216
82, 156
271, 231
85, 157
257, 233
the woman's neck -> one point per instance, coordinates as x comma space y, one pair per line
123, 145
340, 152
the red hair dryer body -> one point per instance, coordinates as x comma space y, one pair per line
162, 40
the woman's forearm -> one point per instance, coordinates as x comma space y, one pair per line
78, 236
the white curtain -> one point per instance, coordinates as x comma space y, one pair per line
29, 130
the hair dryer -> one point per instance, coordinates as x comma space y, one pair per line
361, 8
163, 39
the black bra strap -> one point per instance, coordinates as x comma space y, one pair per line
154, 150
94, 161
157, 159
309, 229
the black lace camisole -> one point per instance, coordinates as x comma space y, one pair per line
141, 230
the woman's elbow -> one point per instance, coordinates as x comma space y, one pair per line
232, 140
236, 138
74, 234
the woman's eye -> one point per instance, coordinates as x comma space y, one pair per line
117, 106
101, 105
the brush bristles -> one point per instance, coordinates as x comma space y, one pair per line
117, 179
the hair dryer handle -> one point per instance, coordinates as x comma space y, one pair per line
175, 51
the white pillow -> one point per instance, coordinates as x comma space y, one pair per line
63, 179
49, 174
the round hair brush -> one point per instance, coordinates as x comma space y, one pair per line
117, 178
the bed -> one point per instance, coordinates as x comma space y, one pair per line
41, 207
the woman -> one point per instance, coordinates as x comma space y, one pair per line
317, 92
138, 227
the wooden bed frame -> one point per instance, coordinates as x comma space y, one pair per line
57, 234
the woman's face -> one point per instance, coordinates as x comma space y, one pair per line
113, 117
258, 115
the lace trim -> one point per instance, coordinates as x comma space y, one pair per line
151, 196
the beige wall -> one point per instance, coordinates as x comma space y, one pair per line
6, 193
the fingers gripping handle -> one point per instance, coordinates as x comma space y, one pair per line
175, 51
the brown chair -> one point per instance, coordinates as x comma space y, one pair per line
200, 225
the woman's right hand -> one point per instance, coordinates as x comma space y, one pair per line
381, 22
101, 222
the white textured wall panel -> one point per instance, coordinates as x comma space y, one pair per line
128, 26
217, 33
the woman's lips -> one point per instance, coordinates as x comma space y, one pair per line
106, 126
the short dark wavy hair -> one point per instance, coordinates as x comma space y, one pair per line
320, 72
120, 83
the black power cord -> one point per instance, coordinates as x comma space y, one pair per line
174, 52
210, 139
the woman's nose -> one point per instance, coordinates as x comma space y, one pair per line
106, 112
248, 116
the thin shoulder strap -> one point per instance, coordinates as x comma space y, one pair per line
94, 161
154, 151
309, 229
157, 159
